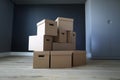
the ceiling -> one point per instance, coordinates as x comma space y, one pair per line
49, 1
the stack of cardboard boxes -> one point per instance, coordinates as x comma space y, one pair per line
54, 45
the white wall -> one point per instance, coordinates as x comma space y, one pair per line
6, 17
88, 27
103, 28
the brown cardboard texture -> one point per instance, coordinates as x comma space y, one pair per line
62, 36
79, 58
71, 37
74, 40
48, 43
41, 59
61, 59
47, 27
63, 46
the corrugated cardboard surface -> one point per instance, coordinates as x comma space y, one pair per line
41, 59
48, 43
74, 40
47, 27
71, 37
79, 58
62, 36
63, 46
65, 23
61, 59
61, 53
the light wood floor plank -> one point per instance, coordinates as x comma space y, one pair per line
20, 68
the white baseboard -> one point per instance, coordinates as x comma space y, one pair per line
21, 53
4, 54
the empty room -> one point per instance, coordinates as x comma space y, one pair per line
59, 39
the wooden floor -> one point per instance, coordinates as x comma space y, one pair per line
20, 68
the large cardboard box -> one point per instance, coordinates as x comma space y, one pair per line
61, 59
40, 43
47, 27
63, 46
65, 23
79, 58
41, 59
62, 36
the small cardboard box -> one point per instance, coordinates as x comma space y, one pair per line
41, 59
47, 43
74, 40
63, 46
62, 36
79, 58
61, 59
40, 43
71, 37
47, 27
65, 23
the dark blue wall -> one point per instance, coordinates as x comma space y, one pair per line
26, 17
6, 20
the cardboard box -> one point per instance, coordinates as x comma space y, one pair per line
63, 46
74, 40
40, 43
47, 43
62, 36
79, 58
61, 59
47, 27
33, 43
41, 59
71, 37
65, 23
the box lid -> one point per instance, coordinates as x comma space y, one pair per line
41, 52
64, 19
61, 53
45, 20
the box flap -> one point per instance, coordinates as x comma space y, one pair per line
41, 52
45, 20
64, 19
